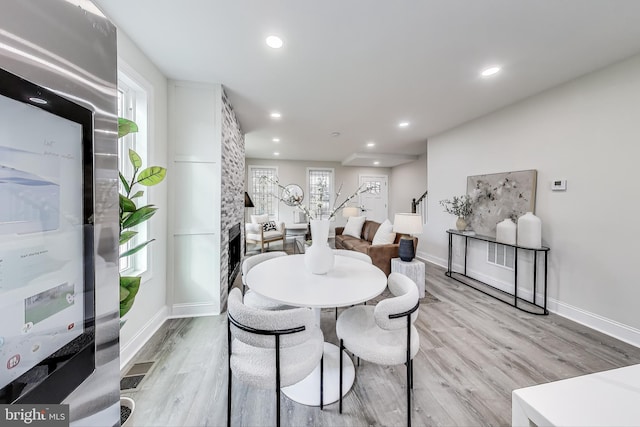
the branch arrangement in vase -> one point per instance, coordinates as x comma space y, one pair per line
317, 212
460, 206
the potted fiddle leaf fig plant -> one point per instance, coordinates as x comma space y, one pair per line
132, 215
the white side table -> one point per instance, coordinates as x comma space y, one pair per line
413, 269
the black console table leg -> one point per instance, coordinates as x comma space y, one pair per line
545, 282
450, 254
535, 270
466, 239
515, 278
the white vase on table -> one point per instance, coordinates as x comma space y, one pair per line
319, 257
506, 232
529, 231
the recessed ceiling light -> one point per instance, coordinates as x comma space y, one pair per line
490, 71
335, 134
36, 100
276, 139
275, 115
275, 153
403, 124
274, 42
371, 144
376, 163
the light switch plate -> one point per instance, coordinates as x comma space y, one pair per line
559, 185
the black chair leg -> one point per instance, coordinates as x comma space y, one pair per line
341, 348
322, 383
411, 374
229, 373
409, 386
277, 380
409, 361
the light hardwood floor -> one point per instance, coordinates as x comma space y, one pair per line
474, 350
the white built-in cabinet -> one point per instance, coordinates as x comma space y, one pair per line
195, 134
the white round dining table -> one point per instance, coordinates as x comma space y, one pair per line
351, 281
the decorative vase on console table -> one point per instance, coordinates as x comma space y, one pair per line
529, 231
319, 257
506, 232
461, 224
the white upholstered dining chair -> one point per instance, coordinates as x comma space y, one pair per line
251, 298
271, 348
384, 333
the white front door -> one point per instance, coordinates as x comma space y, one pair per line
375, 201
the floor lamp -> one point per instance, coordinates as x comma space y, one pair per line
248, 203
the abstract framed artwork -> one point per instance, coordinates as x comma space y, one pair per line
501, 195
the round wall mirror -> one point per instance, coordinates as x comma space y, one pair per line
292, 195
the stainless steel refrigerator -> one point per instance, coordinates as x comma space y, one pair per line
59, 207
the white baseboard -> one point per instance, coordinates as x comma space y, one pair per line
607, 326
602, 324
194, 310
129, 349
424, 256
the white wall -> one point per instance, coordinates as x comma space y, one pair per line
150, 309
295, 172
588, 132
194, 224
408, 182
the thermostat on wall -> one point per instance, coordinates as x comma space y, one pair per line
559, 185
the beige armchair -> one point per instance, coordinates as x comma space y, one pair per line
255, 233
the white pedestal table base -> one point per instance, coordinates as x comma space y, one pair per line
307, 391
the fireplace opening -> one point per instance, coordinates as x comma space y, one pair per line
235, 253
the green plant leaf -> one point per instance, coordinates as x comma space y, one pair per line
124, 182
136, 160
127, 205
152, 175
139, 216
124, 293
136, 249
131, 284
125, 236
125, 127
140, 193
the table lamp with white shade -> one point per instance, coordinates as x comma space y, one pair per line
350, 211
407, 223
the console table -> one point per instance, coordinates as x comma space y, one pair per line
533, 306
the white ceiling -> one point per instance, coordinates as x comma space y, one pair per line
358, 67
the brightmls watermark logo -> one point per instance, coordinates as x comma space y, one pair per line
34, 415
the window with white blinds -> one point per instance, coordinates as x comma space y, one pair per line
264, 190
320, 189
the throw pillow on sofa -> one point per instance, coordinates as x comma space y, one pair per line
385, 234
354, 226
